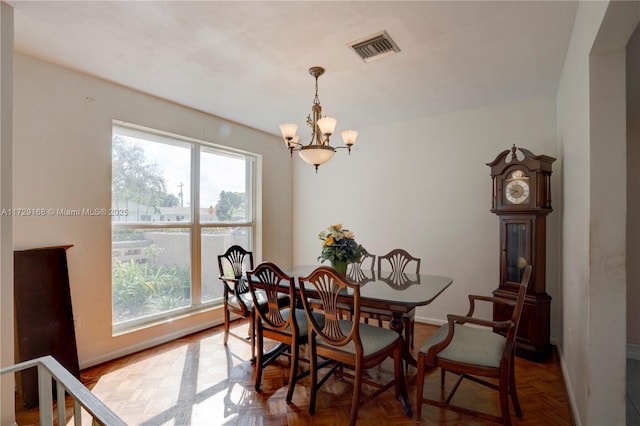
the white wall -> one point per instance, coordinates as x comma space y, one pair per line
424, 185
62, 159
591, 127
7, 406
633, 231
633, 183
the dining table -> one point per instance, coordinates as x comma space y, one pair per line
396, 293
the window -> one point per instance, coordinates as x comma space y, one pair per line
178, 203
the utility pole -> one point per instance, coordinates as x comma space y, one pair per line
180, 186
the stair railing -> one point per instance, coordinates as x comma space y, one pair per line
66, 384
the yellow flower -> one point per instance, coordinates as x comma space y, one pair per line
329, 241
337, 227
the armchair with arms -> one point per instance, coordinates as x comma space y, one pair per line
484, 350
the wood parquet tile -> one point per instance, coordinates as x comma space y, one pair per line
196, 380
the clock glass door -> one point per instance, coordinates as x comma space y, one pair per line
517, 250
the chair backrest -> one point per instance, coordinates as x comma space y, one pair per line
398, 259
399, 280
233, 264
269, 278
517, 310
324, 286
355, 270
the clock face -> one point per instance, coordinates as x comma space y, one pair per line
517, 189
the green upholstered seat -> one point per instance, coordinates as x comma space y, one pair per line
373, 338
470, 345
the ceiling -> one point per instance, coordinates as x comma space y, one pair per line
248, 61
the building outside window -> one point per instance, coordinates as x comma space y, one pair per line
185, 202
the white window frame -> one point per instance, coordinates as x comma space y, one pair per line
253, 169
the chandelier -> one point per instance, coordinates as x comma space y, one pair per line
318, 151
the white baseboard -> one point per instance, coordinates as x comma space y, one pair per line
145, 345
633, 351
430, 321
570, 393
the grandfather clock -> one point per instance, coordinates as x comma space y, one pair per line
521, 197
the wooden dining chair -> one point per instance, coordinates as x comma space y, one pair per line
236, 298
355, 270
485, 349
397, 262
278, 321
346, 343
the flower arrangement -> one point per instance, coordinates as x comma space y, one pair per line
339, 245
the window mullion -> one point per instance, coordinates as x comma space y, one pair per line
196, 240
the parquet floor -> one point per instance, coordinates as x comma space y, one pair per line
196, 380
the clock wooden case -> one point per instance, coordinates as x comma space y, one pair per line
521, 197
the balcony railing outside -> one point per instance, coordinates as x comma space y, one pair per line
66, 384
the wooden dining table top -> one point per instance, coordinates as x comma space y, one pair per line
386, 290
395, 292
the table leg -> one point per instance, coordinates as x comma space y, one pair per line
397, 324
404, 398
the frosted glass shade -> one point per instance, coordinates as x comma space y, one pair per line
288, 130
316, 154
327, 125
349, 136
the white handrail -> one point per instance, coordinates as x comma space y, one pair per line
48, 369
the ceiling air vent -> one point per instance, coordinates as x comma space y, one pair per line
374, 47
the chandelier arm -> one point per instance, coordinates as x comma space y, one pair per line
347, 147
